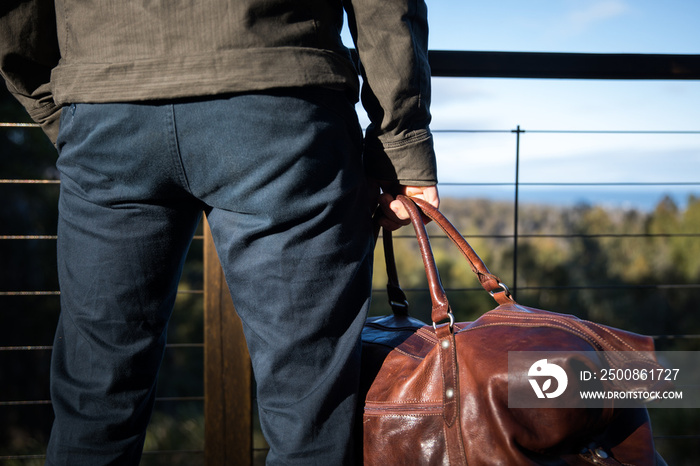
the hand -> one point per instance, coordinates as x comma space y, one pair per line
395, 214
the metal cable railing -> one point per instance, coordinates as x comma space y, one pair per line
454, 64
12, 351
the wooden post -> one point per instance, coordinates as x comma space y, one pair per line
227, 371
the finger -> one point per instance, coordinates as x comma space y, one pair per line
432, 196
393, 209
400, 212
427, 193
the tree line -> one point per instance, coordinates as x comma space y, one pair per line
627, 268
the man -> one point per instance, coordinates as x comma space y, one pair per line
243, 110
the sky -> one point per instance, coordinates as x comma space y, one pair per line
597, 26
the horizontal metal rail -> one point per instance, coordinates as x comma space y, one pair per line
552, 65
464, 64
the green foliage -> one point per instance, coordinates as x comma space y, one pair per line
180, 433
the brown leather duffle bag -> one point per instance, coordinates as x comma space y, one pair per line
439, 394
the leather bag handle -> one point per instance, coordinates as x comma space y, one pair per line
490, 282
397, 298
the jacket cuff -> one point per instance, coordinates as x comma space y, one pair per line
409, 161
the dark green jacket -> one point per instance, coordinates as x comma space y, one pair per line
53, 53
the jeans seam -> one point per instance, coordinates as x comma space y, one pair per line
174, 144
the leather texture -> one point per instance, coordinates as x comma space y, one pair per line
438, 394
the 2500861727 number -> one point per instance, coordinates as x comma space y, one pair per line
639, 374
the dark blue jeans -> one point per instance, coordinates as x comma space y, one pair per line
280, 178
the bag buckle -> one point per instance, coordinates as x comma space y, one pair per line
452, 321
504, 289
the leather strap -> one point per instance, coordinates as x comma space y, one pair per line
451, 395
446, 342
441, 307
489, 281
397, 298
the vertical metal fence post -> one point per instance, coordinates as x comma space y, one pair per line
228, 435
516, 208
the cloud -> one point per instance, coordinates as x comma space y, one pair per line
590, 13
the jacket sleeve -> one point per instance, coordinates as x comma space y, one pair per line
391, 37
28, 53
